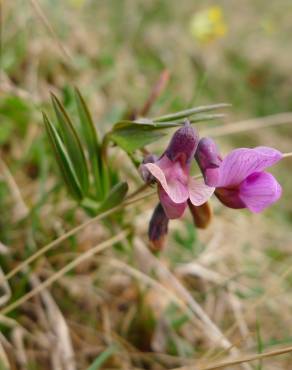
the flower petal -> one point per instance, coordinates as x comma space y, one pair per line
241, 163
209, 160
199, 191
259, 191
174, 187
173, 210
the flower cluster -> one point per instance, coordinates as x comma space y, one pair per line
239, 180
208, 25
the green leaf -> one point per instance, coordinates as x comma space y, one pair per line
72, 144
141, 121
152, 125
180, 122
115, 197
102, 358
189, 112
87, 124
99, 170
63, 160
132, 136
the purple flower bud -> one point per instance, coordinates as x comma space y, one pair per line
183, 144
158, 228
209, 160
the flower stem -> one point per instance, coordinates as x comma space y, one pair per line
285, 155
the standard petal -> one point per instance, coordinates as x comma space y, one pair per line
172, 210
259, 191
175, 187
199, 191
240, 163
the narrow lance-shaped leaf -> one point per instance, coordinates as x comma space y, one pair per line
100, 173
195, 119
151, 125
72, 144
63, 160
189, 112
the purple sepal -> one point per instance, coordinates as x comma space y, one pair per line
183, 144
158, 228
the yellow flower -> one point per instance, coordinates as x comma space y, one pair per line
208, 24
76, 3
268, 26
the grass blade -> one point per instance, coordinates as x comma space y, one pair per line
72, 144
104, 356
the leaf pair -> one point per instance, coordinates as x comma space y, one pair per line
133, 135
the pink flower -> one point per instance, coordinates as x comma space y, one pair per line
239, 178
172, 174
